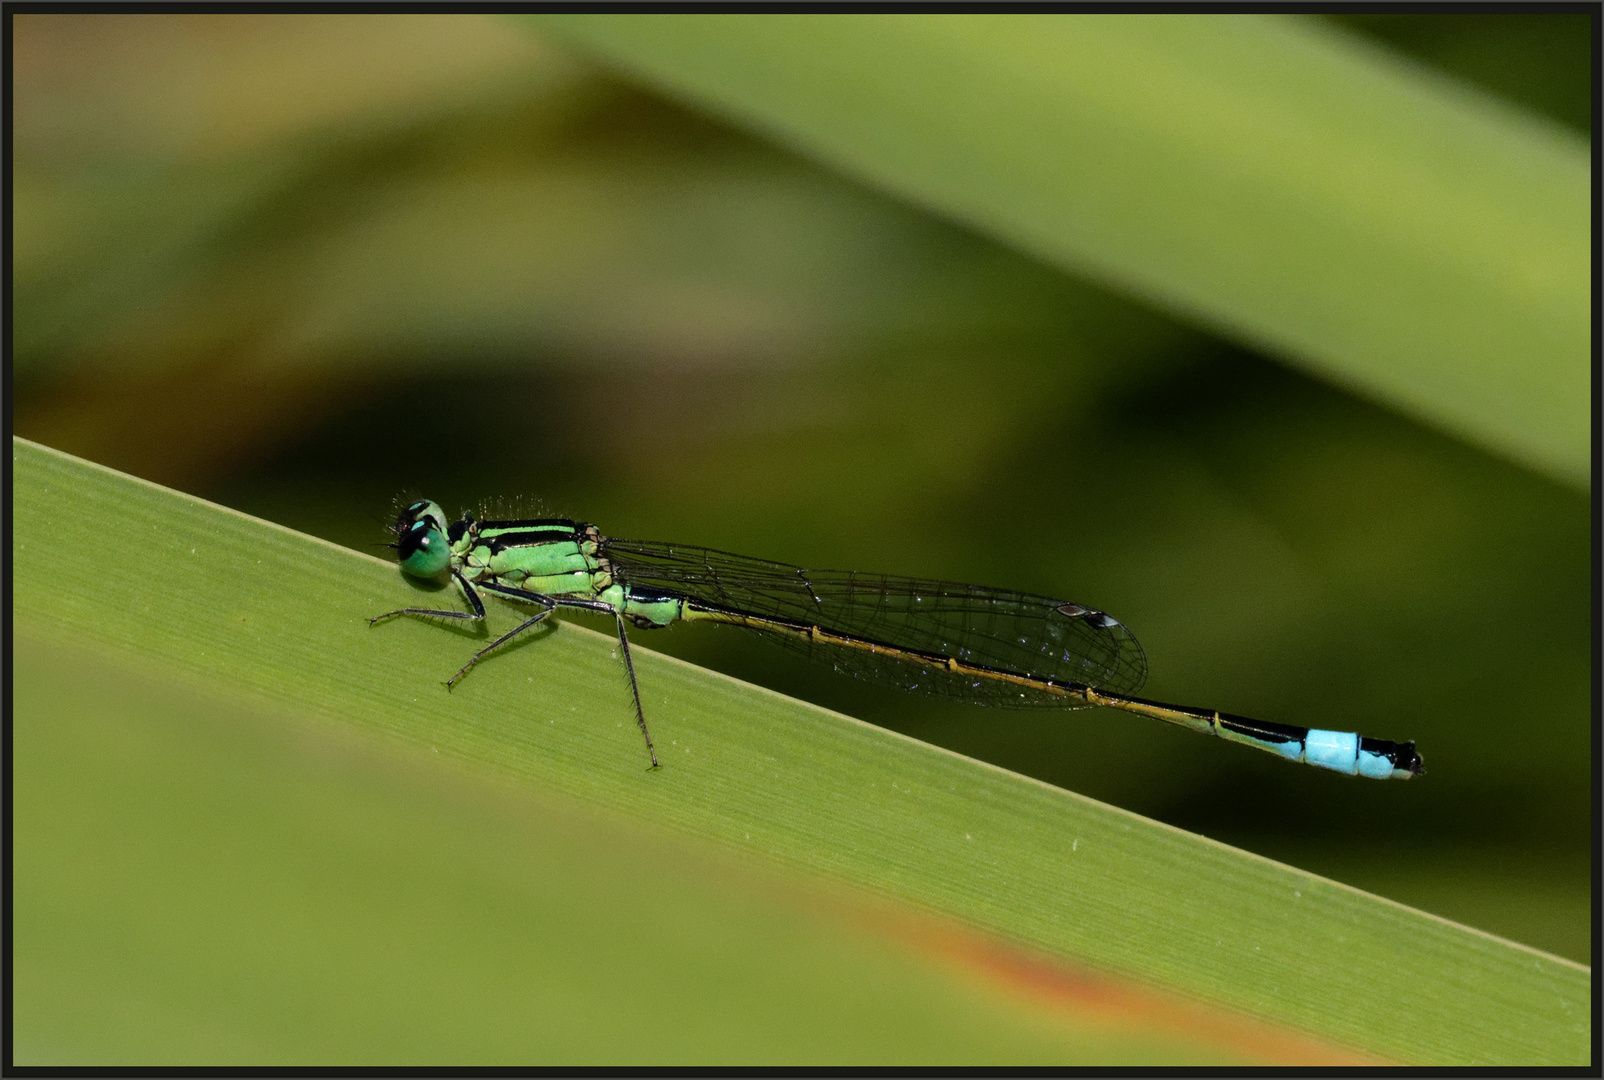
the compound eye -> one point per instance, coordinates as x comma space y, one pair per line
421, 511
423, 550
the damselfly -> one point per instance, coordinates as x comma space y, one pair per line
981, 645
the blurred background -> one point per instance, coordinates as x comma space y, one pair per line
302, 265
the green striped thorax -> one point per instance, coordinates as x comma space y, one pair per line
553, 555
547, 557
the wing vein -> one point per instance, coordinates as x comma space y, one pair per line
1000, 630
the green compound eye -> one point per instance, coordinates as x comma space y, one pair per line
423, 510
423, 549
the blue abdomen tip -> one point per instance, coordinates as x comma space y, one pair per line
1337, 750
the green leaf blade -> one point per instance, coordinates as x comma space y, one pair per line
235, 603
1381, 226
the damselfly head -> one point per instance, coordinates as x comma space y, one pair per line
421, 542
422, 510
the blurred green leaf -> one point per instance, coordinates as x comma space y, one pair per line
1390, 229
1540, 60
203, 882
274, 621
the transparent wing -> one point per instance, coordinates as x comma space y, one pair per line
994, 628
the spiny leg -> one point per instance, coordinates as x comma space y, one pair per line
477, 615
634, 688
549, 603
500, 641
583, 604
